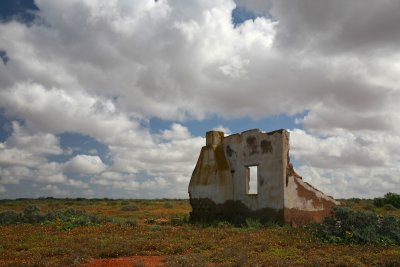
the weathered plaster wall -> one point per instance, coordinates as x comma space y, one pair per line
304, 203
211, 177
264, 150
219, 184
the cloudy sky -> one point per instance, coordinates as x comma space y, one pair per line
112, 98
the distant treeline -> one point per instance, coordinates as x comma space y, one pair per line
389, 199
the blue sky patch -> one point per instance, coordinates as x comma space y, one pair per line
240, 15
21, 10
78, 144
4, 57
5, 126
5, 129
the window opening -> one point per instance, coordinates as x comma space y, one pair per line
252, 180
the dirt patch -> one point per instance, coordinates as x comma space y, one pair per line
139, 261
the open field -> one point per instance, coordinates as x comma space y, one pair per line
160, 228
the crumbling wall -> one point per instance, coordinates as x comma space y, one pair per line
303, 203
255, 148
219, 185
211, 182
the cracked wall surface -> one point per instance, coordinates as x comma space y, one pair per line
219, 185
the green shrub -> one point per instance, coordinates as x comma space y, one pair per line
70, 218
392, 198
131, 207
150, 221
253, 223
9, 217
350, 226
224, 224
131, 222
379, 202
179, 219
155, 228
389, 198
389, 207
31, 214
168, 205
390, 228
124, 202
369, 206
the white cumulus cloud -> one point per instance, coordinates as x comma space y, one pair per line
104, 68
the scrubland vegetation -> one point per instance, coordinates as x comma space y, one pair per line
63, 232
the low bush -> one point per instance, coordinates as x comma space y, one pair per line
179, 219
131, 222
350, 226
150, 221
168, 205
369, 206
379, 202
224, 224
9, 217
155, 228
131, 207
389, 207
69, 218
124, 202
253, 223
390, 198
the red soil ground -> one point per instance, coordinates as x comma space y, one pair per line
147, 261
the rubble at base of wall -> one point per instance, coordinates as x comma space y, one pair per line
235, 212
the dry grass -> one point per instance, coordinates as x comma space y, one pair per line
184, 245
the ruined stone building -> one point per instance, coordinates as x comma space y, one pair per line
222, 185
